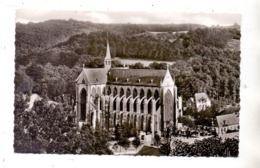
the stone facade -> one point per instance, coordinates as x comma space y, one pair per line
145, 98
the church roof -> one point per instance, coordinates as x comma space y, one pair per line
94, 75
228, 119
142, 77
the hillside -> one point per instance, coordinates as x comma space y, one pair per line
49, 54
39, 36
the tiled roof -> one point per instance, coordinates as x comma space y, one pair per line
228, 119
95, 75
148, 77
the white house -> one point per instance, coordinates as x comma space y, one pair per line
202, 101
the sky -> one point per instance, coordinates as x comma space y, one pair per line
142, 17
214, 12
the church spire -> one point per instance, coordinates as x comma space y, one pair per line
107, 61
108, 56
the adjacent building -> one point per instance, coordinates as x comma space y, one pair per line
227, 123
202, 101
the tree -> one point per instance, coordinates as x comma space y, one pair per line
117, 63
124, 142
118, 132
136, 142
186, 121
96, 63
156, 65
46, 129
23, 82
157, 139
35, 71
207, 147
137, 65
165, 149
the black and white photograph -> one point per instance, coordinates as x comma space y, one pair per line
146, 80
133, 84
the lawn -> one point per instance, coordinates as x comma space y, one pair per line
149, 151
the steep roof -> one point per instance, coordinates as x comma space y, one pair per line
108, 56
228, 119
167, 81
200, 96
94, 75
148, 77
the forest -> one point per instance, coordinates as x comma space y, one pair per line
206, 58
49, 56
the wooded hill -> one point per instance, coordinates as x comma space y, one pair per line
52, 52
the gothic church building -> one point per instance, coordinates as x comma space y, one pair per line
145, 98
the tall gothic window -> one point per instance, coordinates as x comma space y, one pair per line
135, 105
115, 92
134, 93
121, 104
150, 107
128, 105
83, 101
122, 92
141, 93
149, 94
114, 104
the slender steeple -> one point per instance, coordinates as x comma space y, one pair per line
107, 61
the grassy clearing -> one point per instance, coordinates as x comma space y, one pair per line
149, 151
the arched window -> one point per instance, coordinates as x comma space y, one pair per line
108, 91
156, 94
115, 92
121, 104
134, 93
142, 123
91, 119
149, 94
141, 93
142, 106
168, 104
114, 119
96, 101
128, 105
150, 107
114, 104
83, 97
135, 105
122, 92
158, 103
101, 104
128, 92
148, 125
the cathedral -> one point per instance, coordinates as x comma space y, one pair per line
145, 98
